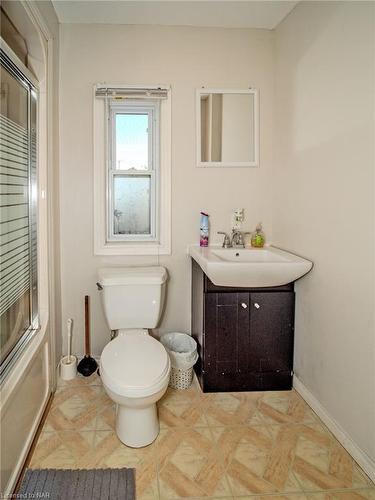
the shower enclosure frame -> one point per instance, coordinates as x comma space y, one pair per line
24, 77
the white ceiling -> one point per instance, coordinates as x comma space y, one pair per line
225, 13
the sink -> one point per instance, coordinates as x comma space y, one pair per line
249, 255
253, 267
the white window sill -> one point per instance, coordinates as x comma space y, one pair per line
132, 249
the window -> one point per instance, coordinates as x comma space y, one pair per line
133, 184
132, 170
18, 209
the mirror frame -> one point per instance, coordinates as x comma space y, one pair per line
250, 91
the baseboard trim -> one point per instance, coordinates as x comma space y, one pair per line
363, 460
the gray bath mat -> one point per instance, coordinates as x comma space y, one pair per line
95, 484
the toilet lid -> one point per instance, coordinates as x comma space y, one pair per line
135, 362
152, 275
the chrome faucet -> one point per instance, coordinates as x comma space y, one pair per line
237, 239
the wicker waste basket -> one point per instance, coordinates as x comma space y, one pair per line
182, 350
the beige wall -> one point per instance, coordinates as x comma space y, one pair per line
323, 195
185, 58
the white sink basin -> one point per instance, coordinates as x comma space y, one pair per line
254, 267
249, 255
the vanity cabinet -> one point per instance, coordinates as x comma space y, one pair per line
245, 335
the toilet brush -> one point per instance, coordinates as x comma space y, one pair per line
87, 365
68, 364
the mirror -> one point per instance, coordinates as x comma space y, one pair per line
227, 128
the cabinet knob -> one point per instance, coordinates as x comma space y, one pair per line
256, 305
243, 305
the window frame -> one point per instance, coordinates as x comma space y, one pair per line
101, 245
152, 109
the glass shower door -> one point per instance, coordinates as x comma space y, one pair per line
18, 230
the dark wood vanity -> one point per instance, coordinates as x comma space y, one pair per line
245, 336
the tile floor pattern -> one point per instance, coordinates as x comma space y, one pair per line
258, 446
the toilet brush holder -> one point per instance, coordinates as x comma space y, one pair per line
68, 367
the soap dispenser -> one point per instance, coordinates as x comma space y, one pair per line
258, 239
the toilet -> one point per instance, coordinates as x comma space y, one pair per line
134, 367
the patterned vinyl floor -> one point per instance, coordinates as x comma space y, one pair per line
258, 446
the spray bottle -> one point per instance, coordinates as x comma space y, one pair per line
204, 230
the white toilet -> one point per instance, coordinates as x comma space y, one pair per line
134, 367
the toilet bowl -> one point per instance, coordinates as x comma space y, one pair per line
134, 366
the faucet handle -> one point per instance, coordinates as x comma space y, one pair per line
226, 242
237, 238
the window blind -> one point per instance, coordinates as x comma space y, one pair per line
131, 93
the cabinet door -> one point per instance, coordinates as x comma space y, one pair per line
271, 331
226, 327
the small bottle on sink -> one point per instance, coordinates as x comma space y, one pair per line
258, 239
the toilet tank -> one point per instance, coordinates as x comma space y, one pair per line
133, 297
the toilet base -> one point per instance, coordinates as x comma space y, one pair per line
137, 427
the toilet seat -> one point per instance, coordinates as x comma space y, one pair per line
134, 365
